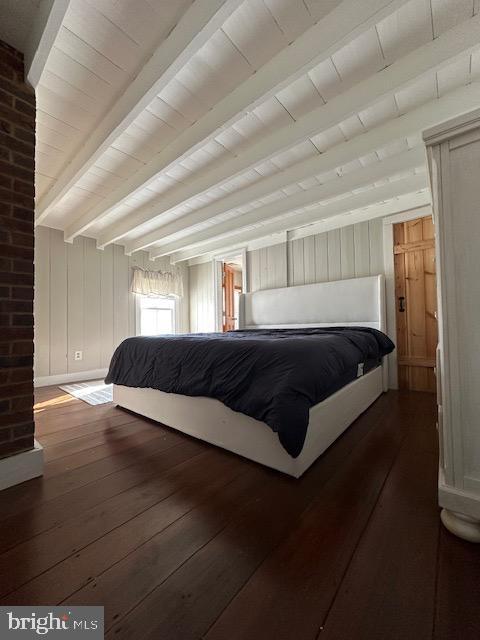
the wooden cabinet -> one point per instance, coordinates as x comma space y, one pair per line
454, 164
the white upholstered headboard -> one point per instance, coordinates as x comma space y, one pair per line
359, 301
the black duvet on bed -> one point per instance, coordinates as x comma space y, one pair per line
273, 375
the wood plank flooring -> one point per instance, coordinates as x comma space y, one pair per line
180, 540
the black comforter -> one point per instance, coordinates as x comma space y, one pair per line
273, 375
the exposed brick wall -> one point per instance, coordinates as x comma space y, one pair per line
17, 158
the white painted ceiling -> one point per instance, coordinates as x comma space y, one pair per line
182, 127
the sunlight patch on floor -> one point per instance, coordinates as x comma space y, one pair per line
53, 402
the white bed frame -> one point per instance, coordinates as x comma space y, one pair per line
360, 301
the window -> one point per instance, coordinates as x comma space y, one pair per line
156, 316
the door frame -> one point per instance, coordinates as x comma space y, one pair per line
389, 268
217, 281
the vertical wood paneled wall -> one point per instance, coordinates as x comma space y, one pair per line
267, 267
349, 252
202, 306
83, 302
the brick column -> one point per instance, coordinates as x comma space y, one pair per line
17, 161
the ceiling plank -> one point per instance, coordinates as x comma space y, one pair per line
368, 175
340, 207
427, 58
346, 21
426, 116
196, 26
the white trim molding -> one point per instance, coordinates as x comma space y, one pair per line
64, 378
21, 467
453, 151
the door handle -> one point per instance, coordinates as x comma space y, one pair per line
401, 304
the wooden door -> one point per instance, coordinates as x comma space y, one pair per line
228, 280
416, 303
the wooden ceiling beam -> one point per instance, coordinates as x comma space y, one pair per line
415, 121
428, 58
338, 208
193, 30
368, 175
348, 20
413, 204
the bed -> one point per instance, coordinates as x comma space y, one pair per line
302, 310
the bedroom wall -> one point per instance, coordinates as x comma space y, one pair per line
83, 302
202, 308
267, 267
349, 252
352, 251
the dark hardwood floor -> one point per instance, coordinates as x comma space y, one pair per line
180, 540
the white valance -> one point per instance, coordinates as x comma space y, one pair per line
157, 283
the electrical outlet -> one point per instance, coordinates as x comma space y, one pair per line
78, 355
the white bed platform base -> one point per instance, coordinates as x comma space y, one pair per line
211, 421
359, 301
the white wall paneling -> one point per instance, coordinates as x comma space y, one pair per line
353, 251
202, 303
334, 255
83, 303
267, 267
41, 308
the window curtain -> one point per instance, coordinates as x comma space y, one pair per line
157, 283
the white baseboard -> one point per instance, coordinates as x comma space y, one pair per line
21, 467
459, 500
65, 378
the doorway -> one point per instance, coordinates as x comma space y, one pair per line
416, 303
230, 281
231, 290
